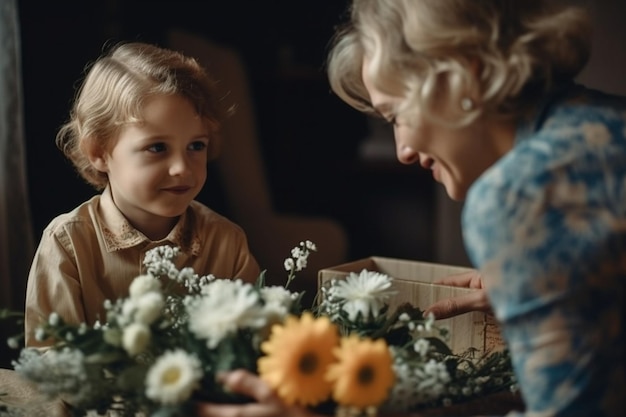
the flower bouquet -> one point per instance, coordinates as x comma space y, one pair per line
160, 348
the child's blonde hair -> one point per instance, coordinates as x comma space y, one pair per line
422, 50
114, 91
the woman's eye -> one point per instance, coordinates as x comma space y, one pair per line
198, 146
157, 147
392, 120
389, 118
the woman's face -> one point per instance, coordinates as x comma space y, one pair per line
456, 156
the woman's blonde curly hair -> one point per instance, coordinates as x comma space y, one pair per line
422, 50
114, 92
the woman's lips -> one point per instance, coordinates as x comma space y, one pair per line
430, 163
436, 172
427, 163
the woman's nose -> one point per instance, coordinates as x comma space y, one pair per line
406, 154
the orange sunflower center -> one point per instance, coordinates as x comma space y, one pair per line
365, 376
308, 363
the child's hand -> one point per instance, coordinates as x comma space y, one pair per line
268, 404
474, 301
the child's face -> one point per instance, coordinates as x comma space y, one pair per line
157, 167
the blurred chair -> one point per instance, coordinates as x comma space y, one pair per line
240, 165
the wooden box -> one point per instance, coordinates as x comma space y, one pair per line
413, 282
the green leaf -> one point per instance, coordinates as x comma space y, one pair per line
439, 345
260, 281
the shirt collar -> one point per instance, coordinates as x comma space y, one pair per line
119, 234
537, 117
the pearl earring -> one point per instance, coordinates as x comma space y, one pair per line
467, 104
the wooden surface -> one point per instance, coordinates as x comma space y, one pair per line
19, 394
490, 405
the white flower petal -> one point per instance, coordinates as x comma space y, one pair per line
173, 377
136, 338
224, 307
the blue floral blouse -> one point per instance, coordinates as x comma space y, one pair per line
546, 226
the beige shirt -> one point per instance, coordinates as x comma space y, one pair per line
92, 254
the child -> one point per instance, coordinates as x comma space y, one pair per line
142, 129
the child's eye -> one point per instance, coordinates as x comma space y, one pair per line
157, 147
198, 145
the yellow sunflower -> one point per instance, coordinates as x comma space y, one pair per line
363, 375
298, 353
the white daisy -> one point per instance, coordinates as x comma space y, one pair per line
365, 293
224, 307
173, 377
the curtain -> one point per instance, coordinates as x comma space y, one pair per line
16, 230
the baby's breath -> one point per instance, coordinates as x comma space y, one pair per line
299, 259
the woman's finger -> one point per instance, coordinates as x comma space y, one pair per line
249, 384
235, 410
470, 279
450, 307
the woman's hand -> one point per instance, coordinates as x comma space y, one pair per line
267, 402
473, 301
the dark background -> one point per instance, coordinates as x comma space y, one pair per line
310, 139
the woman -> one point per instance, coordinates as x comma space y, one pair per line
482, 94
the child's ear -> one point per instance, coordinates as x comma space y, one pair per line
96, 155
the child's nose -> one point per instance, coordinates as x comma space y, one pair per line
179, 165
